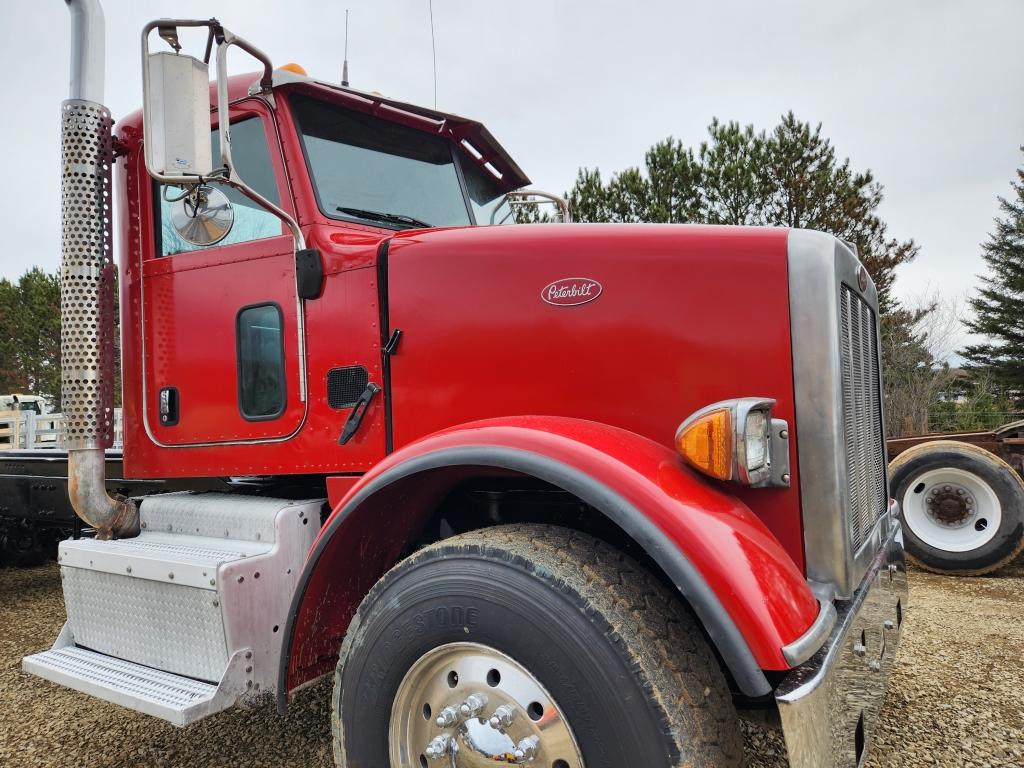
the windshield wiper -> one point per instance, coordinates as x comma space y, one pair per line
392, 218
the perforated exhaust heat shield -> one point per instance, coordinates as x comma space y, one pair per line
87, 315
87, 276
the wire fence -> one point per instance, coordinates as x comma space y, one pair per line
29, 430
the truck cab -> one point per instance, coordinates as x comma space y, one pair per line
353, 180
550, 494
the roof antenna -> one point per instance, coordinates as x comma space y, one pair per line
344, 66
433, 49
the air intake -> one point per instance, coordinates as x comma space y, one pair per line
345, 385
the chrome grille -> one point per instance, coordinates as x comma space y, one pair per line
862, 414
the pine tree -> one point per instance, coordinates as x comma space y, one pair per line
999, 303
30, 334
790, 177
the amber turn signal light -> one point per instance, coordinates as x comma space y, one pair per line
706, 443
739, 441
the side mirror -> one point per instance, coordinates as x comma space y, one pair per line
201, 215
523, 205
176, 98
177, 129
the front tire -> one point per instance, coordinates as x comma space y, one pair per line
595, 661
962, 507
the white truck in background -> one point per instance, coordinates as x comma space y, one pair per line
19, 402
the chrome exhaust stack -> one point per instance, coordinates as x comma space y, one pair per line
87, 281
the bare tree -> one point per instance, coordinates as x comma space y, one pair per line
917, 344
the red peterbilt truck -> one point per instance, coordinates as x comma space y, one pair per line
555, 495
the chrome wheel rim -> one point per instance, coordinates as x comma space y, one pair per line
952, 509
466, 705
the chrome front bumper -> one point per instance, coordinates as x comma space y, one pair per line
829, 704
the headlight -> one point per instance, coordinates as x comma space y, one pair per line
737, 440
755, 440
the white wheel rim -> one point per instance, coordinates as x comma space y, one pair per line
951, 509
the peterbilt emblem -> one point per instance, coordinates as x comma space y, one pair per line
571, 291
862, 278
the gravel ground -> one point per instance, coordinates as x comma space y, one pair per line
955, 699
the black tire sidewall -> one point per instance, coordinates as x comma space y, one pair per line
12, 554
1007, 538
497, 604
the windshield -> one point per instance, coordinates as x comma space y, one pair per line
375, 171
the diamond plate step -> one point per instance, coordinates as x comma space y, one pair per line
190, 561
209, 577
179, 700
208, 574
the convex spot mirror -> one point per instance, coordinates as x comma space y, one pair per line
201, 215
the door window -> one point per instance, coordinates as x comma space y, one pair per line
251, 156
261, 392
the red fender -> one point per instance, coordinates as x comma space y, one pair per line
741, 583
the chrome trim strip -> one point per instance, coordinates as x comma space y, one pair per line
818, 265
805, 646
829, 705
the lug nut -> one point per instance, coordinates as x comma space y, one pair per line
526, 749
502, 717
447, 717
473, 705
859, 650
438, 747
959, 491
947, 488
888, 624
875, 665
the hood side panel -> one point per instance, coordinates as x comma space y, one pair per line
685, 316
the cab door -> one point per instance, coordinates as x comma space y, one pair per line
221, 323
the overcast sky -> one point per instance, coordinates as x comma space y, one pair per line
928, 94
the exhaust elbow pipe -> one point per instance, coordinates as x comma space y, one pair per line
111, 516
87, 281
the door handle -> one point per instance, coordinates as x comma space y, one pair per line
169, 406
358, 411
